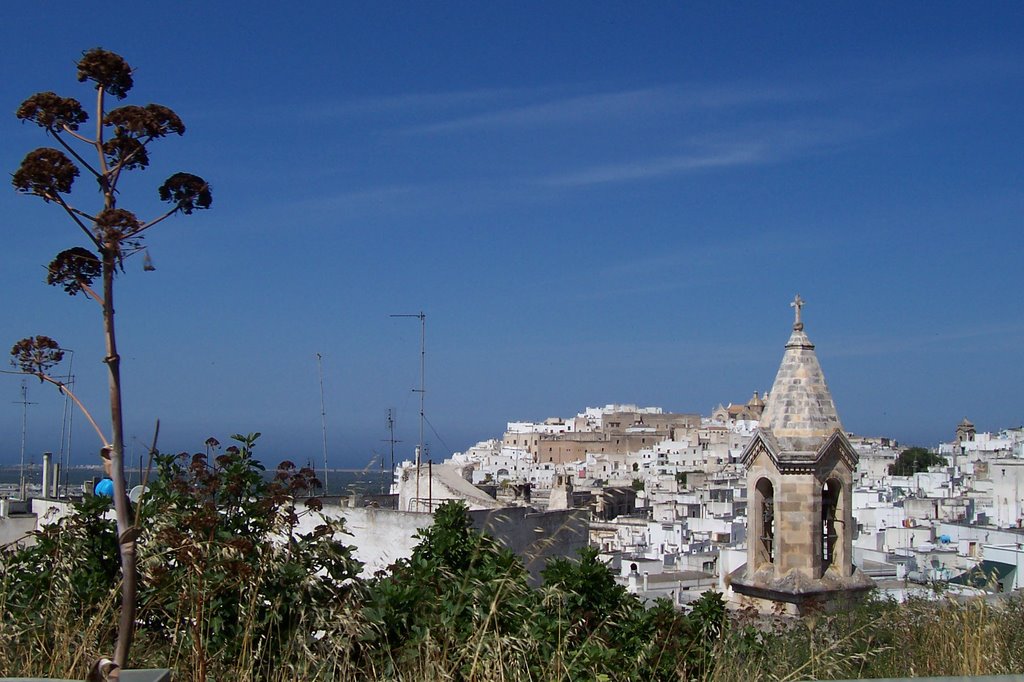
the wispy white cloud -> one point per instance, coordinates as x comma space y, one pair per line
401, 106
749, 146
701, 256
556, 111
411, 199
560, 103
740, 155
604, 106
697, 266
360, 201
424, 102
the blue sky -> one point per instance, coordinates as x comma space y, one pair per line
591, 202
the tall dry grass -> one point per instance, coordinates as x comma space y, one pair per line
922, 637
880, 639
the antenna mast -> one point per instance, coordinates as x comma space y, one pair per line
323, 413
422, 391
67, 421
24, 429
391, 440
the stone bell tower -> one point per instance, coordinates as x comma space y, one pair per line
800, 469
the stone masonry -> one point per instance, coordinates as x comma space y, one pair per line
800, 468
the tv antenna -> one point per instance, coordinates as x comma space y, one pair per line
421, 316
24, 429
67, 419
323, 413
391, 440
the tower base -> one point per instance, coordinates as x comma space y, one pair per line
797, 594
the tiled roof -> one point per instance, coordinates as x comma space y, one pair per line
800, 412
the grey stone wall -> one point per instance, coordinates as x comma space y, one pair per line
381, 536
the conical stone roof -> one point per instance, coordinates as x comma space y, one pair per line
800, 413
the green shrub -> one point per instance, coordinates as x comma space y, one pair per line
233, 589
225, 573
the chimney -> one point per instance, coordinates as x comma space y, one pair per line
47, 456
56, 481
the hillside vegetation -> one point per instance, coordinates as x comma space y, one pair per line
230, 590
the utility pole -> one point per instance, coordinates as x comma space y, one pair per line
422, 391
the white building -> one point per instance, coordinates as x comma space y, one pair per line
511, 464
1007, 476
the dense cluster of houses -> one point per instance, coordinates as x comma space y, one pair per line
671, 496
770, 501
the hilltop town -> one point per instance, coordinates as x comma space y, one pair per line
768, 509
669, 502
744, 500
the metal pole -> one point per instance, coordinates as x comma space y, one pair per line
66, 422
391, 440
422, 389
423, 355
71, 423
323, 415
24, 430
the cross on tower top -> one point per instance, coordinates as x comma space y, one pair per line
797, 304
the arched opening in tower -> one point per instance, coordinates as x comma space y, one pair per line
765, 517
829, 535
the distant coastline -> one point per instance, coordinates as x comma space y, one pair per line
338, 480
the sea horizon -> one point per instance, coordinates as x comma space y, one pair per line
339, 480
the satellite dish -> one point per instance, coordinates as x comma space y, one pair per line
136, 493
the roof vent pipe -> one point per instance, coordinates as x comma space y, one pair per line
55, 486
45, 491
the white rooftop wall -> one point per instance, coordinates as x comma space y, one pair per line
537, 427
